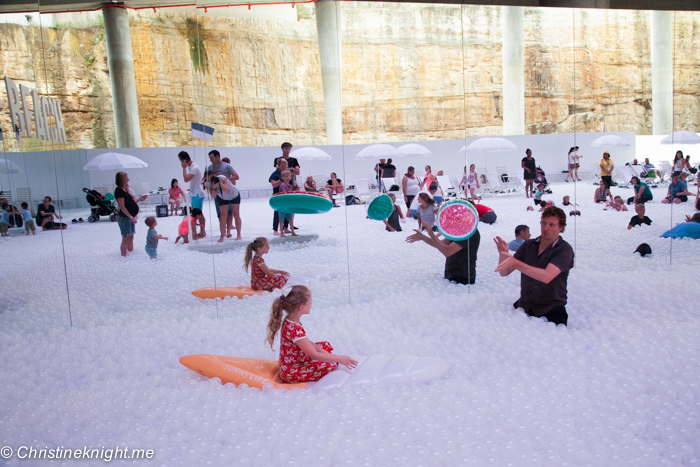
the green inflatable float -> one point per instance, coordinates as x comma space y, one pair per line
300, 203
380, 208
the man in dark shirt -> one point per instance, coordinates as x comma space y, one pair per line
640, 218
460, 257
544, 264
292, 162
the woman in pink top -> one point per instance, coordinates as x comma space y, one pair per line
176, 196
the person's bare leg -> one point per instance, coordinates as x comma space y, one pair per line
291, 227
237, 218
282, 229
223, 213
130, 243
123, 246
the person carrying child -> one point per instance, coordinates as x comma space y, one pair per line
28, 219
262, 277
286, 187
392, 222
300, 359
427, 211
152, 237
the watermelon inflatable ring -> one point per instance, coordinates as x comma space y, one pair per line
301, 203
457, 220
380, 208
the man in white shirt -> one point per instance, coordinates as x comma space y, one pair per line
193, 175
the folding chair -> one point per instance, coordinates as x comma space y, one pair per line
496, 185
448, 189
387, 183
595, 171
667, 170
362, 189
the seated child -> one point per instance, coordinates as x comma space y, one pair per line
640, 218
300, 359
286, 187
427, 211
566, 201
538, 194
392, 222
152, 237
199, 221
262, 277
522, 233
28, 219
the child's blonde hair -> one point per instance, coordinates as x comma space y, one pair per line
298, 296
252, 246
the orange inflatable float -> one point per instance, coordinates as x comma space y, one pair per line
251, 371
223, 292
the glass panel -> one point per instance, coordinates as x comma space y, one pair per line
32, 303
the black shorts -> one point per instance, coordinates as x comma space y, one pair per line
224, 202
556, 315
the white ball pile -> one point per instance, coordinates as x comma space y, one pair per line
617, 387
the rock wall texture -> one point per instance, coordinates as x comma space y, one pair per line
410, 72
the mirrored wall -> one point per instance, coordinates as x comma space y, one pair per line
374, 98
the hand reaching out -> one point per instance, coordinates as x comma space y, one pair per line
347, 361
501, 245
416, 237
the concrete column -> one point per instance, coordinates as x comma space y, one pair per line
121, 77
329, 25
661, 72
513, 71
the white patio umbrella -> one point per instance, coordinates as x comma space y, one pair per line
9, 167
377, 151
115, 161
310, 154
681, 137
489, 144
610, 141
413, 150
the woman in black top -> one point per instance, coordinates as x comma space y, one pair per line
127, 213
529, 172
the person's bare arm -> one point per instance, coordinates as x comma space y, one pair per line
314, 352
391, 229
543, 275
503, 255
276, 183
404, 182
446, 247
234, 176
187, 177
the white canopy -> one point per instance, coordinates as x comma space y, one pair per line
489, 144
610, 141
310, 154
413, 150
377, 151
681, 137
115, 161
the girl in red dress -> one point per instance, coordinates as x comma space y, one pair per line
300, 359
262, 277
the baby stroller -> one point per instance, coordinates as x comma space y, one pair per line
540, 178
101, 206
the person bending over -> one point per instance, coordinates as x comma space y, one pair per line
640, 218
460, 256
522, 233
544, 264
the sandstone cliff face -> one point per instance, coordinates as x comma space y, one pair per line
410, 72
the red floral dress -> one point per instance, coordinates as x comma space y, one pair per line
260, 281
295, 365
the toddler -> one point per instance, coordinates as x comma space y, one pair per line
183, 230
300, 359
262, 277
27, 218
538, 194
199, 221
152, 237
286, 187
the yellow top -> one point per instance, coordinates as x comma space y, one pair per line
608, 165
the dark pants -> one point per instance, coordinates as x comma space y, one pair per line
409, 200
276, 222
462, 280
641, 200
489, 217
607, 179
556, 315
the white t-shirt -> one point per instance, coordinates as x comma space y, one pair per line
196, 182
232, 194
412, 187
